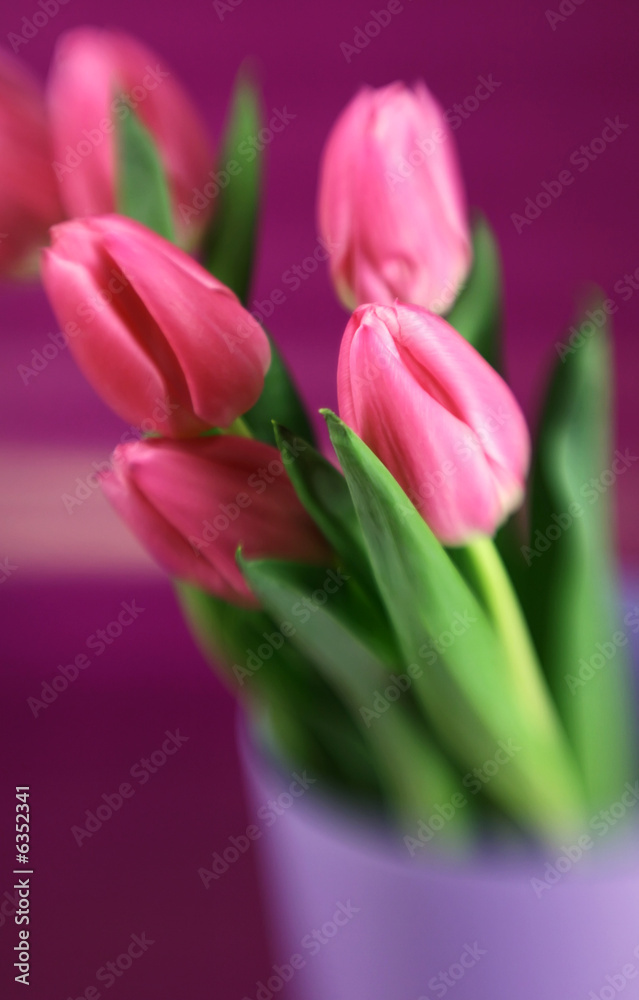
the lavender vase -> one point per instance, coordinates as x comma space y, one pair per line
353, 916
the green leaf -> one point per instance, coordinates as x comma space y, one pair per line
229, 249
265, 669
414, 773
323, 491
476, 313
229, 244
467, 688
286, 589
281, 402
142, 187
572, 600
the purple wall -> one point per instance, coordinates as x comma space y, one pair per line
139, 872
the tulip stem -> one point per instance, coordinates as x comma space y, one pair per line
495, 590
497, 593
239, 428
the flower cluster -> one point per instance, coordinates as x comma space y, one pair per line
233, 499
59, 145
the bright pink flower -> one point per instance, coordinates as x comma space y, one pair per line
96, 76
391, 201
29, 201
164, 343
193, 503
438, 416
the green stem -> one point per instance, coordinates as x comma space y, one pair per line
239, 428
529, 684
416, 777
497, 593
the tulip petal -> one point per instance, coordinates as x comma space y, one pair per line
29, 200
486, 403
337, 191
114, 340
95, 76
208, 497
392, 199
226, 347
453, 489
167, 546
440, 418
158, 337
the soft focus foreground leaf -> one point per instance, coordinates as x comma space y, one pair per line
311, 725
572, 600
414, 773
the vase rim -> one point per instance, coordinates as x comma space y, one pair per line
369, 837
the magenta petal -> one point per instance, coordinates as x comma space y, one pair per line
29, 200
442, 421
222, 350
166, 345
95, 74
194, 503
392, 201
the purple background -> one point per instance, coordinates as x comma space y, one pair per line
139, 872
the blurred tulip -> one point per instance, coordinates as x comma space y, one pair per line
193, 503
29, 201
391, 201
96, 77
156, 335
438, 416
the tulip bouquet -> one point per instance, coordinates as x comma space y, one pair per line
399, 617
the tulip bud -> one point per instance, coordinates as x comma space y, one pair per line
29, 201
391, 201
165, 344
192, 503
437, 415
96, 78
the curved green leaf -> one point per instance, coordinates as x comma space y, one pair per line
572, 601
466, 688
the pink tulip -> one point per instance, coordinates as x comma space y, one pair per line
96, 76
29, 201
166, 345
437, 415
391, 201
193, 503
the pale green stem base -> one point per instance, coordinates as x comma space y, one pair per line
502, 604
239, 428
